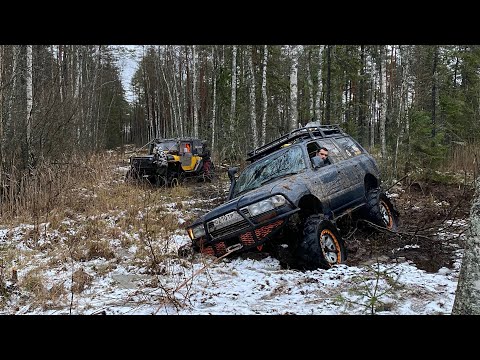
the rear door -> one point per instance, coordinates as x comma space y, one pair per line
331, 180
355, 173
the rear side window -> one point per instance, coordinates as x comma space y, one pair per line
334, 153
349, 147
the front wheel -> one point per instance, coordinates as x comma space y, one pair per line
380, 210
321, 245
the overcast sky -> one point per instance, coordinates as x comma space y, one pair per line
128, 64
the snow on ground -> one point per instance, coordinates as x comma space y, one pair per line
252, 286
203, 285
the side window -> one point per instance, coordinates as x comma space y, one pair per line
312, 149
334, 153
349, 147
185, 148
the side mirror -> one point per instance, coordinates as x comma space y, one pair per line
231, 173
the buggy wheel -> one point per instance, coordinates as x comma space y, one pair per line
174, 182
380, 210
161, 181
321, 245
132, 177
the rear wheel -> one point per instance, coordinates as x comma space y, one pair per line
321, 245
174, 182
160, 181
131, 176
380, 210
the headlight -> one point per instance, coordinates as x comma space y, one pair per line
196, 232
266, 205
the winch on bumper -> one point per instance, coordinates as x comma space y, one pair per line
248, 224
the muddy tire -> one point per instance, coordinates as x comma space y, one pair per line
161, 181
380, 210
131, 176
321, 245
174, 182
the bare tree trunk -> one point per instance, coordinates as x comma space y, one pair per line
29, 81
60, 70
318, 114
467, 296
186, 95
194, 95
8, 120
264, 95
361, 109
311, 101
234, 89
177, 92
169, 91
373, 104
251, 81
403, 67
434, 90
214, 105
383, 100
329, 86
2, 142
293, 88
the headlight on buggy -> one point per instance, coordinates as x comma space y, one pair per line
266, 205
196, 232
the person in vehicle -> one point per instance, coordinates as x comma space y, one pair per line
321, 158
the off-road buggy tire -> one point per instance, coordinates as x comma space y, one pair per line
132, 177
321, 245
161, 181
380, 210
174, 182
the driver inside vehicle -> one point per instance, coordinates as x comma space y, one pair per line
321, 158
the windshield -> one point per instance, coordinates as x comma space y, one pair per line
281, 164
167, 145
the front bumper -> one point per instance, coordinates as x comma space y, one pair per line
249, 231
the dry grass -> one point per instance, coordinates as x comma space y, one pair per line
465, 157
81, 209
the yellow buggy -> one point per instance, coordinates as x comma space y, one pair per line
172, 161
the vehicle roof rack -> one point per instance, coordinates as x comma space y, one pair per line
313, 130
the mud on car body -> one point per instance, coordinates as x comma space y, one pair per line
282, 199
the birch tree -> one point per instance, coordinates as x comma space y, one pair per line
311, 101
467, 295
251, 82
234, 89
214, 101
293, 87
194, 93
264, 95
382, 69
403, 68
29, 83
328, 101
361, 109
318, 106
169, 92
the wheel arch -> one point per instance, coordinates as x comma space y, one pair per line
309, 205
370, 182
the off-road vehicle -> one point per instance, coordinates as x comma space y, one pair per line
283, 199
171, 161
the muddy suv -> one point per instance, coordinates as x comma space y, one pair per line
281, 199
